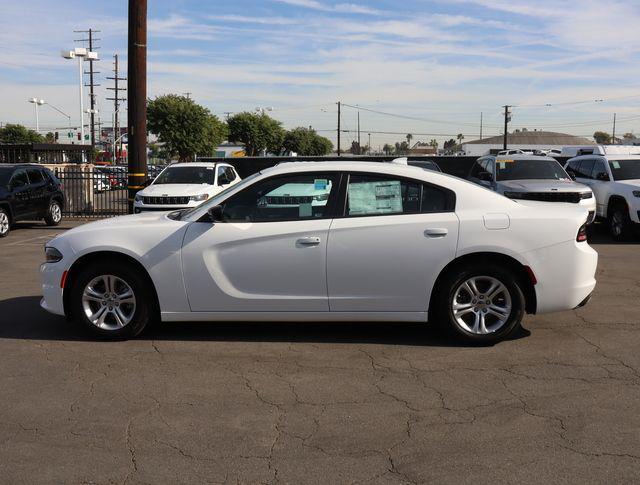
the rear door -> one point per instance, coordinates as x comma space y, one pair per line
38, 195
394, 237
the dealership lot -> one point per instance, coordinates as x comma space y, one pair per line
316, 403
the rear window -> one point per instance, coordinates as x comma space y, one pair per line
5, 175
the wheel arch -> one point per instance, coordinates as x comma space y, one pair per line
615, 200
7, 207
115, 256
523, 275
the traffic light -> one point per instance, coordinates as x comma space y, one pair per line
79, 137
56, 136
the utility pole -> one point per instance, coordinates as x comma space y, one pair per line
369, 145
227, 114
481, 125
91, 85
359, 146
338, 128
613, 141
116, 102
137, 97
507, 119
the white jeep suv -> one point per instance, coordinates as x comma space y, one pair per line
185, 185
615, 181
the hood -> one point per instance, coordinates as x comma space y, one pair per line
538, 185
143, 219
632, 183
176, 190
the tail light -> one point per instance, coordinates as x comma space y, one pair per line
582, 233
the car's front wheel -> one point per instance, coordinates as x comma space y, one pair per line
481, 303
54, 214
619, 222
111, 299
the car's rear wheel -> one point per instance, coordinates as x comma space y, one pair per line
112, 300
619, 222
5, 223
481, 303
54, 214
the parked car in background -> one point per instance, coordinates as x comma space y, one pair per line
184, 185
531, 177
389, 243
29, 192
101, 182
511, 152
425, 164
615, 181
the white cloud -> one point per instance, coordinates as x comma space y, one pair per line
340, 7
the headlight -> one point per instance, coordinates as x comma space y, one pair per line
52, 255
138, 197
513, 195
199, 198
586, 195
636, 193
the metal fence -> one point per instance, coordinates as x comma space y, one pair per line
90, 192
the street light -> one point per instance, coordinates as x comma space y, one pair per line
80, 53
262, 109
37, 102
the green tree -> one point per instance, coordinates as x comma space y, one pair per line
602, 137
433, 143
409, 137
401, 148
50, 137
12, 133
306, 142
460, 137
258, 132
387, 149
186, 128
629, 136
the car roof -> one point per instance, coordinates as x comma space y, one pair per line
410, 171
610, 156
524, 156
196, 164
22, 165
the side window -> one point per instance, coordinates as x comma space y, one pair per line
231, 174
585, 168
477, 168
289, 198
221, 175
35, 176
19, 179
573, 167
436, 199
489, 166
379, 195
598, 170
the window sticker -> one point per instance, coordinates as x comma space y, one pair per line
381, 197
320, 184
615, 164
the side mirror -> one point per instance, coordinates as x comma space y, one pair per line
485, 176
147, 182
602, 176
215, 213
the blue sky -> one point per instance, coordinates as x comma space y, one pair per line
437, 63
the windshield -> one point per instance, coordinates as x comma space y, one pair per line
625, 169
216, 199
187, 175
5, 175
530, 169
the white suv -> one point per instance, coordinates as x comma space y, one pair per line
185, 185
615, 181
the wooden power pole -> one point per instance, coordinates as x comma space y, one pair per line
137, 97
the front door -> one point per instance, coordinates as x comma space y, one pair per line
19, 186
385, 254
269, 253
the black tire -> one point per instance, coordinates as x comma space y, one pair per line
5, 222
485, 274
54, 213
141, 314
619, 223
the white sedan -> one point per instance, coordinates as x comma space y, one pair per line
328, 241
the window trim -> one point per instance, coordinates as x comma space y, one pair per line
331, 203
15, 172
341, 212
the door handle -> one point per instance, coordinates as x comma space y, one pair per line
436, 232
308, 241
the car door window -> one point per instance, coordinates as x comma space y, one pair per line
477, 168
289, 198
369, 195
230, 173
585, 168
19, 179
598, 170
35, 176
222, 180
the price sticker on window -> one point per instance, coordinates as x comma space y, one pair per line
320, 184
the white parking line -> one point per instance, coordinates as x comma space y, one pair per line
31, 240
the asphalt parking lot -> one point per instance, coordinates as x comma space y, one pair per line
313, 403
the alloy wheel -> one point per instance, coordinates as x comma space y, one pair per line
4, 223
616, 223
109, 302
481, 305
55, 212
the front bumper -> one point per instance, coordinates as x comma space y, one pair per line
139, 207
52, 293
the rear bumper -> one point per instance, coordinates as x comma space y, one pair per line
566, 275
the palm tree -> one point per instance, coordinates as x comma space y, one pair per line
409, 138
460, 137
433, 143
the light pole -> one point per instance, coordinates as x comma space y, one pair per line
80, 53
37, 102
60, 111
262, 109
115, 134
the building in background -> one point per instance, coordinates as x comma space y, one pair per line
229, 150
524, 140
